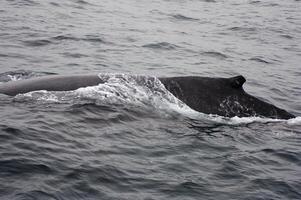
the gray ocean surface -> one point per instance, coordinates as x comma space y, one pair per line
127, 140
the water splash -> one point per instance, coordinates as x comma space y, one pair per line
138, 92
294, 121
146, 92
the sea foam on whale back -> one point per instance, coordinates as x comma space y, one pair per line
142, 91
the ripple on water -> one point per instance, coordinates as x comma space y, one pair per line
184, 18
287, 36
88, 38
25, 3
243, 29
56, 39
161, 46
82, 2
276, 188
258, 59
293, 157
215, 54
36, 194
55, 4
74, 55
255, 2
209, 1
17, 167
64, 37
37, 43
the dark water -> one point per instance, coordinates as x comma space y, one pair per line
130, 139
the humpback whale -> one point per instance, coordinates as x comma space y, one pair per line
221, 96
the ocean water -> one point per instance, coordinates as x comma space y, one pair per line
130, 138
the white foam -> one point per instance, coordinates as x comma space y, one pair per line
247, 120
14, 77
40, 95
188, 112
141, 91
294, 121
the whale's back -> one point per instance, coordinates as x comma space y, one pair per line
49, 83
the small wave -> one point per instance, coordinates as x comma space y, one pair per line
37, 43
21, 166
93, 39
161, 45
81, 2
55, 4
261, 60
74, 55
265, 4
255, 2
271, 4
65, 37
215, 54
36, 194
287, 36
88, 38
13, 55
26, 3
243, 29
3, 55
284, 154
184, 18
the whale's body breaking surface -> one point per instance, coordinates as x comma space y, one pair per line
221, 96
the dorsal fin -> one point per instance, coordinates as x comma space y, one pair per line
237, 81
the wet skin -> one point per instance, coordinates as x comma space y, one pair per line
221, 96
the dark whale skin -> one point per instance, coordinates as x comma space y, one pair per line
49, 83
221, 96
